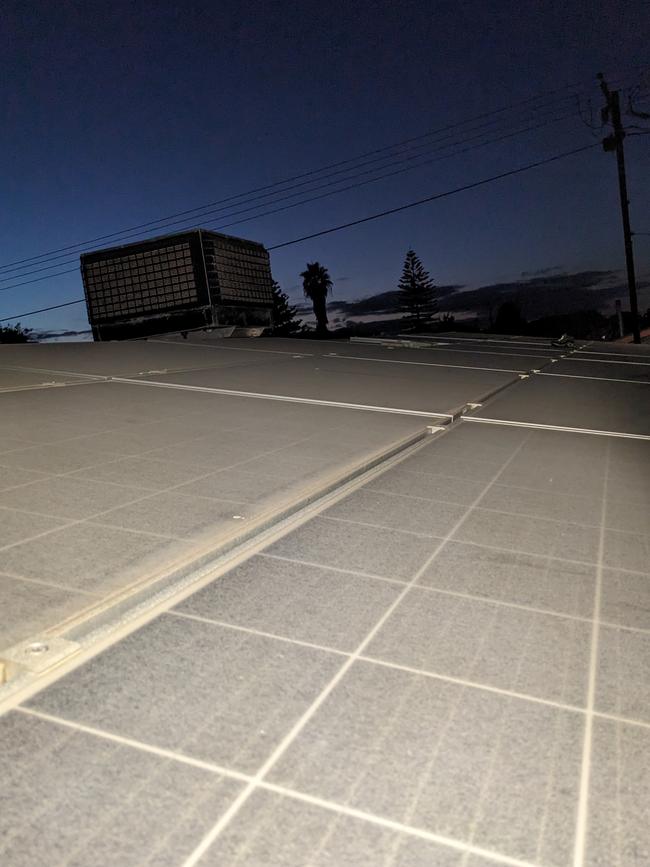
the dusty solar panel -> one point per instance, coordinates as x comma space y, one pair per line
444, 664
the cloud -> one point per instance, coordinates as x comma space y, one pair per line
542, 271
61, 334
546, 295
383, 302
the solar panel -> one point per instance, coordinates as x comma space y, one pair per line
356, 602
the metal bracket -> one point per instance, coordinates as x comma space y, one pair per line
36, 655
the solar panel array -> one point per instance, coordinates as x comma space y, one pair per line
237, 272
132, 284
441, 658
199, 276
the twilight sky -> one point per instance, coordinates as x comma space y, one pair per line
120, 113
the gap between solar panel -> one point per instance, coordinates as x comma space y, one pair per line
28, 663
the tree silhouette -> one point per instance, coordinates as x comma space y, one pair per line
15, 334
509, 319
317, 285
284, 322
417, 292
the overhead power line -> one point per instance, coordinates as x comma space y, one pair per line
388, 175
386, 149
38, 279
436, 196
44, 309
331, 192
163, 223
386, 153
546, 120
381, 214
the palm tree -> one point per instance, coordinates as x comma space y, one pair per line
317, 285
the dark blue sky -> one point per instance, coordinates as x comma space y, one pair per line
118, 113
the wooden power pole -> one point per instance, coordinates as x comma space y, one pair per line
612, 113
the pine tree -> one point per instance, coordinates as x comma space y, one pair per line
417, 292
284, 322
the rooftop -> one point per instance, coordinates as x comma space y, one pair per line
293, 602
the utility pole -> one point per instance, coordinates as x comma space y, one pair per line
612, 112
619, 318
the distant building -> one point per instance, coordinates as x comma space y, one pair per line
177, 282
